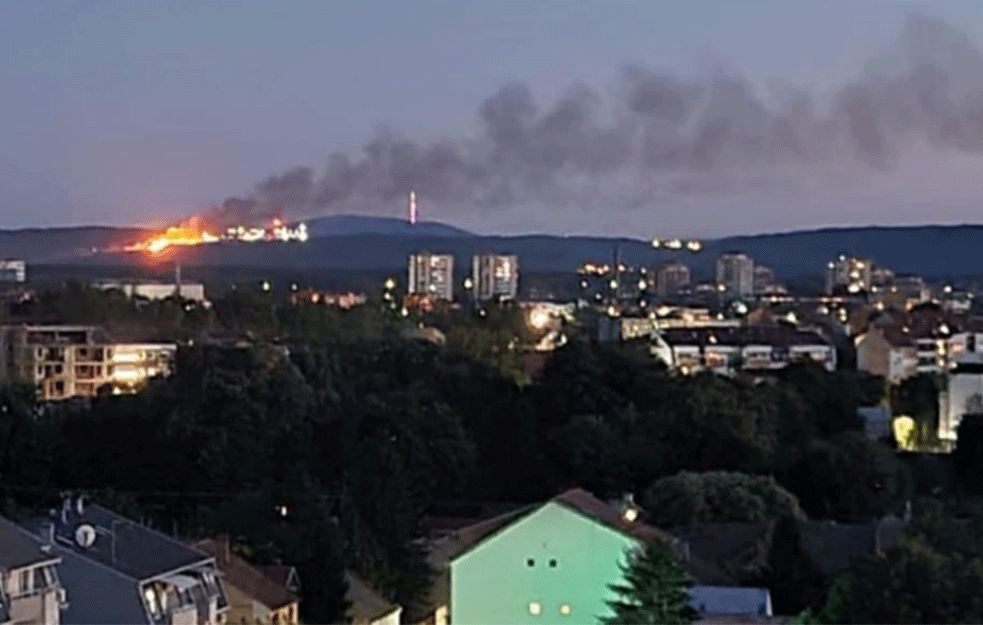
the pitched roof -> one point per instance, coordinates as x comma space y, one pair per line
833, 546
282, 574
366, 604
739, 549
729, 600
251, 581
586, 504
125, 546
589, 505
18, 548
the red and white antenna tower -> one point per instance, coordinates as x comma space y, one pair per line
411, 207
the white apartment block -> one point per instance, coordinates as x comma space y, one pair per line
495, 276
735, 275
63, 362
431, 275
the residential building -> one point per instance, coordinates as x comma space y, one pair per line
684, 317
495, 276
253, 596
154, 290
887, 351
671, 278
903, 293
735, 275
750, 348
849, 274
431, 275
30, 590
366, 606
13, 271
76, 361
118, 572
962, 394
764, 280
551, 563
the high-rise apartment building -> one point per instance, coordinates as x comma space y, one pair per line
495, 276
431, 275
852, 274
764, 279
75, 361
672, 277
735, 274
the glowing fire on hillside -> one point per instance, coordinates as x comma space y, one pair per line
195, 232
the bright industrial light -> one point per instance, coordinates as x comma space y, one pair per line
612, 311
656, 243
539, 318
947, 288
694, 245
613, 284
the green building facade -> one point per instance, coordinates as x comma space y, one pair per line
552, 566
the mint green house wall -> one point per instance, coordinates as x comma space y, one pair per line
493, 584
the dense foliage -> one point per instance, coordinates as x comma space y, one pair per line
331, 456
717, 497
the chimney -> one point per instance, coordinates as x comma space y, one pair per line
224, 549
66, 506
49, 538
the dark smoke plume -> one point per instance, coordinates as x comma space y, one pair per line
661, 136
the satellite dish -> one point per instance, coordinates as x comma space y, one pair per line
85, 535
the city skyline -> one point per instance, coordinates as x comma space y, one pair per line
145, 116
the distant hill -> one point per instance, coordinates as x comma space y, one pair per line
342, 243
63, 244
929, 250
345, 225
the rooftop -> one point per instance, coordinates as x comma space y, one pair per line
252, 581
18, 548
366, 604
778, 335
129, 548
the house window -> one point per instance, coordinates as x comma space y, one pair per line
565, 609
534, 608
530, 562
552, 564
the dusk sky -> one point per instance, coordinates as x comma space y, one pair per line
143, 111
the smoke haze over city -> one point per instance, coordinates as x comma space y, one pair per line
653, 151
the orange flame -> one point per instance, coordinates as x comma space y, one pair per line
195, 232
191, 232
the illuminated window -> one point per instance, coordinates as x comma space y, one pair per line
565, 609
535, 608
151, 598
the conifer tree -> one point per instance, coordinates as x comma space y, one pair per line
654, 590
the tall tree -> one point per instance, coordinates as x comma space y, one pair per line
654, 591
